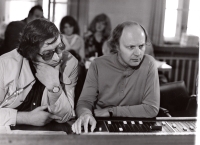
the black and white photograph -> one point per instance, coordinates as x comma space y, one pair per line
99, 72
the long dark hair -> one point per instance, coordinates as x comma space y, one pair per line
72, 22
101, 18
32, 10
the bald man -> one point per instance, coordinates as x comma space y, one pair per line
124, 84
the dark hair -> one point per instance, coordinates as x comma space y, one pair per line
33, 36
113, 43
72, 22
101, 18
32, 10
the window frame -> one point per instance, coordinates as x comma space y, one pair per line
181, 22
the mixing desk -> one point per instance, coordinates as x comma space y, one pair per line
146, 126
162, 126
109, 131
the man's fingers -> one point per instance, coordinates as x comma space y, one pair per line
93, 125
73, 127
41, 108
40, 63
86, 121
65, 42
78, 127
57, 67
48, 120
41, 67
55, 117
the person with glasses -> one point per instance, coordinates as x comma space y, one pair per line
37, 80
123, 84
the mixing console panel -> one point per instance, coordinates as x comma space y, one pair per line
170, 126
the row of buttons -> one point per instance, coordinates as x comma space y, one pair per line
125, 122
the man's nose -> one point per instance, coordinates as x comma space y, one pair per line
55, 57
136, 51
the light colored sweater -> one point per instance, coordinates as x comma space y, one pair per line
130, 92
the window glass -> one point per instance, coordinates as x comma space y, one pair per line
170, 18
59, 7
193, 18
17, 10
60, 11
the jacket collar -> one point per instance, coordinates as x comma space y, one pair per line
64, 76
25, 74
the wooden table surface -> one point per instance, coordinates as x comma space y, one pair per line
14, 139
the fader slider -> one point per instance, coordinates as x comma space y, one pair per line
154, 127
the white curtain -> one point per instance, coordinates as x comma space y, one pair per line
157, 22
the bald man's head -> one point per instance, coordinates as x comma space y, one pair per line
129, 41
117, 32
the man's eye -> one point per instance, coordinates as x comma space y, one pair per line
60, 45
141, 46
49, 53
131, 47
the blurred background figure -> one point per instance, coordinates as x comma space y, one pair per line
70, 30
2, 33
14, 29
98, 32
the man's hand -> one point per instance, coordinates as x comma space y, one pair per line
37, 117
84, 120
48, 75
101, 112
64, 40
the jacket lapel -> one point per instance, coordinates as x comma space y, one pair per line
24, 78
64, 76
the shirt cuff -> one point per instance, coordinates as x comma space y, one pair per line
83, 110
8, 117
14, 118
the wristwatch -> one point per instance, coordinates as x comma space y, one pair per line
55, 89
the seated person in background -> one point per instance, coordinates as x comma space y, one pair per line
2, 33
14, 29
38, 78
70, 30
98, 33
124, 84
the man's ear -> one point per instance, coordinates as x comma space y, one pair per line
115, 49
